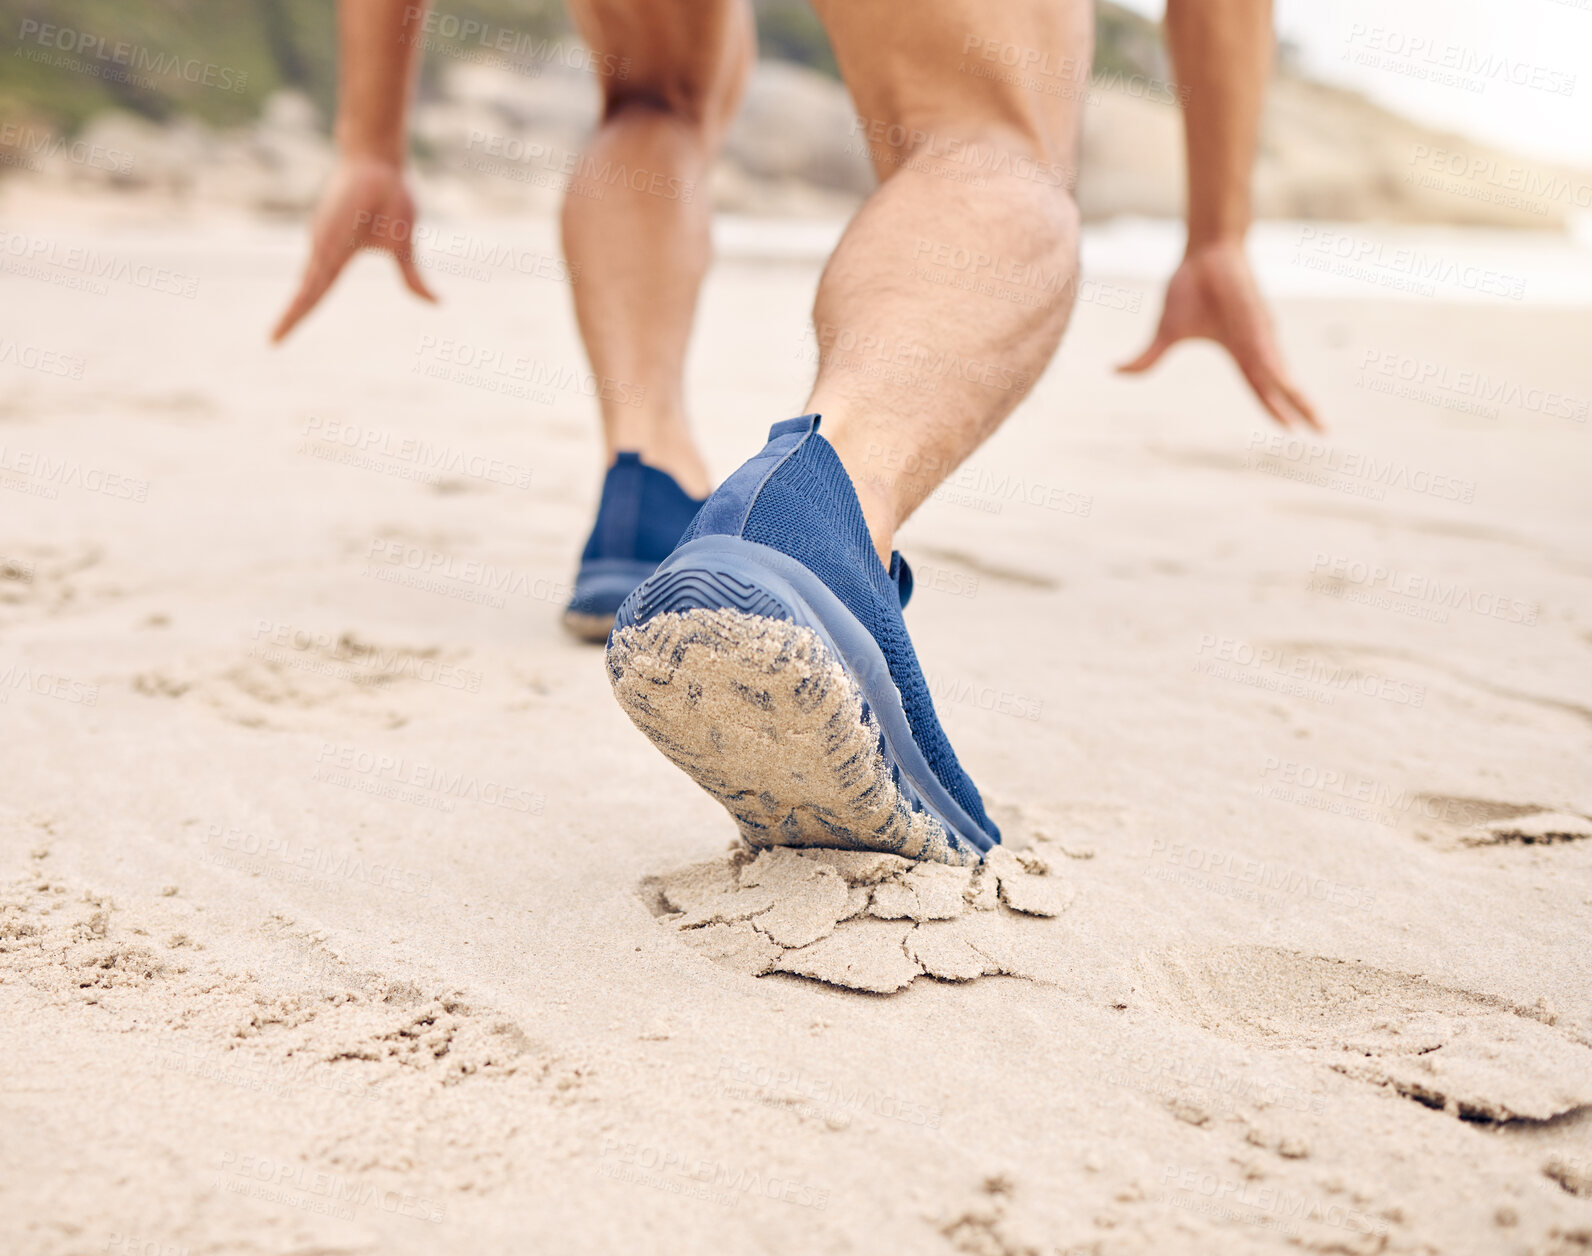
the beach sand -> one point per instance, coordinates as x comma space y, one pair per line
343, 911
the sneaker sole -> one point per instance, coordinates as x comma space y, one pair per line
745, 685
585, 626
602, 582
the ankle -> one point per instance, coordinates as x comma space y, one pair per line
676, 456
876, 497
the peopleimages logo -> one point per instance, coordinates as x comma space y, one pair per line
1332, 574
1345, 791
468, 248
1045, 71
42, 258
842, 345
15, 679
339, 764
1423, 379
580, 167
671, 1170
1528, 186
44, 476
122, 61
971, 484
497, 369
434, 28
45, 361
1251, 1201
1399, 267
779, 1084
1217, 655
992, 266
314, 862
302, 1185
1245, 879
1454, 65
348, 658
1311, 456
335, 440
1149, 1072
27, 145
891, 142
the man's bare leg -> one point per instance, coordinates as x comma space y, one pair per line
640, 244
976, 186
767, 657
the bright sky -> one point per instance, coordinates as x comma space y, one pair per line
1509, 64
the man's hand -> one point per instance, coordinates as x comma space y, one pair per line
1213, 296
365, 206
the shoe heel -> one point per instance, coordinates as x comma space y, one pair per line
759, 713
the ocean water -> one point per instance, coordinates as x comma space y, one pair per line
1294, 260
1344, 261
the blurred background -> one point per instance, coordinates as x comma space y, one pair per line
1410, 113
1154, 623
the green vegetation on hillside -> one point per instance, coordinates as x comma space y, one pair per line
63, 61
789, 30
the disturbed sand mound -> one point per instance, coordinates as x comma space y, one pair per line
862, 920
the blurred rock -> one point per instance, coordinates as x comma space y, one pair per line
289, 155
497, 139
1130, 158
1324, 153
795, 126
277, 165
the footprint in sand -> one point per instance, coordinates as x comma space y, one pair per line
862, 920
379, 1073
289, 678
1456, 823
52, 579
174, 407
1474, 1056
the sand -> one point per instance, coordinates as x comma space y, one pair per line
344, 911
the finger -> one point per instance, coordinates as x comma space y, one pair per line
1263, 386
1276, 405
318, 277
1301, 404
412, 279
1282, 399
1148, 358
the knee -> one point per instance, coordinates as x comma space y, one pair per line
1016, 159
700, 88
681, 98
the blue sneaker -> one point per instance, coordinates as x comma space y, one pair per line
767, 657
639, 521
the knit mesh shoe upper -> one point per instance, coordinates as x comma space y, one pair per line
640, 517
796, 497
